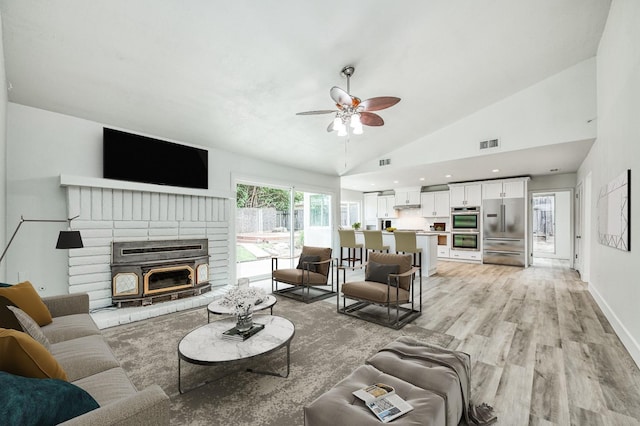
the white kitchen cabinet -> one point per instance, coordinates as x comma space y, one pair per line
435, 204
503, 189
465, 255
465, 195
385, 206
443, 251
407, 197
371, 206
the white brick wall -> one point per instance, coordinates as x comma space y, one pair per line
107, 215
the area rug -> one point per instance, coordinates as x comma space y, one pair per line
326, 347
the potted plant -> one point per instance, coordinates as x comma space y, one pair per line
356, 226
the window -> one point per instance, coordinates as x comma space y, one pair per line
349, 213
319, 206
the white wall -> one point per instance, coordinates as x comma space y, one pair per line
552, 111
42, 145
3, 152
613, 272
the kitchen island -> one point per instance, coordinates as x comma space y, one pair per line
427, 241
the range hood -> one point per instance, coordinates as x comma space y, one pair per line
406, 206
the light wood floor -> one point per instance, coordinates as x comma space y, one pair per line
543, 353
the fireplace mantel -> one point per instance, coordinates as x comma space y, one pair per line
94, 182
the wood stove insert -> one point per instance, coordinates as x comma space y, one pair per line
144, 272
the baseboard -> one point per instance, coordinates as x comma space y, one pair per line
626, 338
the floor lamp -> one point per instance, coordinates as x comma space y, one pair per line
66, 239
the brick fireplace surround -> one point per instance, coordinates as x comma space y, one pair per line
122, 211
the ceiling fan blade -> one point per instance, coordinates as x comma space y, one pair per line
322, 111
340, 96
371, 119
381, 102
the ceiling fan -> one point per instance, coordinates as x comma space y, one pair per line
352, 112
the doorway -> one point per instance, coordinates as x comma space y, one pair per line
277, 221
551, 225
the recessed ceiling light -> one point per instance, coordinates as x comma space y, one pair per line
395, 181
373, 184
421, 178
447, 176
495, 170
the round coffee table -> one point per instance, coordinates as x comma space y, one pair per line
206, 346
217, 308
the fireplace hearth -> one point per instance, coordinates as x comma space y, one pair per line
144, 272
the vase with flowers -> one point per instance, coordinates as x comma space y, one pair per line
242, 300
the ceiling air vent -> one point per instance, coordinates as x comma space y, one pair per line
492, 143
385, 162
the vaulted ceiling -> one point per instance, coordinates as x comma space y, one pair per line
232, 75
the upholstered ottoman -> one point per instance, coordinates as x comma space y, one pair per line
338, 406
434, 380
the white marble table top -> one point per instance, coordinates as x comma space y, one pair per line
216, 307
205, 344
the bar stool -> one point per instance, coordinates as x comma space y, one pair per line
406, 243
348, 241
373, 241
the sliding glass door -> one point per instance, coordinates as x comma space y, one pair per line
272, 221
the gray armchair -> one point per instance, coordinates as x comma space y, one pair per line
388, 284
311, 280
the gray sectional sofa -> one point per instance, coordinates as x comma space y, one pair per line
78, 346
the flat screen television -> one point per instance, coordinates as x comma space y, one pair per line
138, 158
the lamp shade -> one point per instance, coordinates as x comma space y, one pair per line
69, 240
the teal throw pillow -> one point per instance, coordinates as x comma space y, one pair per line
25, 401
5, 285
379, 272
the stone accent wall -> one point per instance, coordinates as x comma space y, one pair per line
107, 215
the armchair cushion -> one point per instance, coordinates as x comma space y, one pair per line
379, 272
374, 292
404, 262
308, 258
323, 252
299, 277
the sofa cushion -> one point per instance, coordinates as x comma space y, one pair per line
374, 292
20, 354
25, 297
7, 317
70, 327
30, 326
41, 401
379, 272
84, 356
308, 258
107, 386
338, 405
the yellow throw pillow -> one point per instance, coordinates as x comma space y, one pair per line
25, 297
20, 354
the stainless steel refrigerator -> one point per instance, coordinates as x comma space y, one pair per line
503, 231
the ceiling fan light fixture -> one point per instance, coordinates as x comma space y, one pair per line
342, 130
355, 121
337, 123
357, 130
